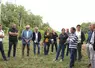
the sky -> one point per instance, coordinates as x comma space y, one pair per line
60, 13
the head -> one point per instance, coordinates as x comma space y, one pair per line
27, 27
73, 30
14, 26
78, 27
91, 27
36, 29
63, 30
0, 27
67, 30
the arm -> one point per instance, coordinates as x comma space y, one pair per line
2, 36
92, 39
83, 37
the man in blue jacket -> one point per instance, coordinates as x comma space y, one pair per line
26, 37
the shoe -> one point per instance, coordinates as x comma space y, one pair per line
8, 58
61, 60
5, 60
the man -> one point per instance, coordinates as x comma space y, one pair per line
36, 40
54, 40
47, 37
1, 43
72, 40
92, 48
62, 39
13, 33
67, 44
81, 39
26, 38
88, 41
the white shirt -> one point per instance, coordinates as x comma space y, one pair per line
27, 33
78, 33
36, 38
1, 33
92, 39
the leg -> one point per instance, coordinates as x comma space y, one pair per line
23, 47
58, 52
38, 48
45, 49
48, 45
52, 47
2, 51
14, 49
79, 51
63, 48
56, 46
28, 49
10, 47
67, 49
72, 54
34, 48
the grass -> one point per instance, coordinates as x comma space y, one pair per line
38, 61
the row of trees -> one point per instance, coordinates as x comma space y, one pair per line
11, 13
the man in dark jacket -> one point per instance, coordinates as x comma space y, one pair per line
81, 39
54, 40
62, 39
36, 40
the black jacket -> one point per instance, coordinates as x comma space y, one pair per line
54, 37
34, 36
82, 37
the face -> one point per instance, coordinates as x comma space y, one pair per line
36, 30
0, 27
90, 27
14, 26
78, 28
71, 30
67, 30
63, 30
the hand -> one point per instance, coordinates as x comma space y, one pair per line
26, 40
47, 33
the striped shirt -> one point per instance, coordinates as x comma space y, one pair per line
73, 40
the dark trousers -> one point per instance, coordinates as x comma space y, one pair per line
2, 51
46, 48
52, 47
72, 57
14, 44
38, 45
23, 48
67, 49
78, 53
60, 47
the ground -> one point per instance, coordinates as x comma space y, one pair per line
38, 61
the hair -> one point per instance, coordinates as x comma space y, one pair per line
78, 26
62, 29
73, 28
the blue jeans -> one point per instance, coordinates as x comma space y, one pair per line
72, 56
46, 48
60, 47
38, 45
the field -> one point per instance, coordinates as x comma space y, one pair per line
38, 61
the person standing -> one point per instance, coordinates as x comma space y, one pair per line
81, 39
67, 44
36, 40
54, 40
26, 38
47, 42
88, 42
13, 33
72, 40
92, 48
62, 39
1, 43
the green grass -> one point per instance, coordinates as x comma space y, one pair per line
37, 61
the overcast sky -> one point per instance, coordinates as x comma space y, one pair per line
61, 13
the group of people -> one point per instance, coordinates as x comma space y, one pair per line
72, 40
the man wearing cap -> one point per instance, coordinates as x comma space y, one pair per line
36, 40
26, 37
